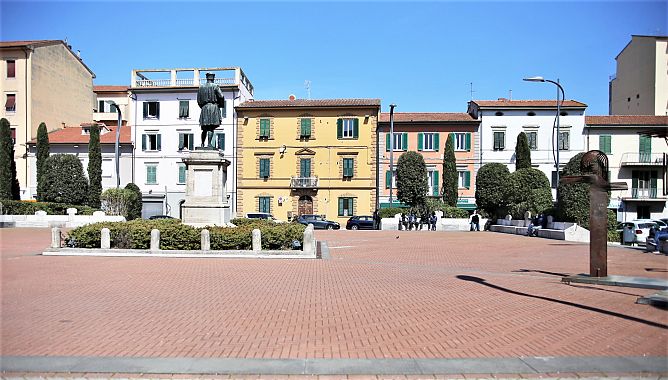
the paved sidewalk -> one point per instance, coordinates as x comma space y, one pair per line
382, 295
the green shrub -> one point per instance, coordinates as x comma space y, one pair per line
522, 152
491, 194
64, 180
450, 175
252, 221
529, 190
411, 179
454, 212
116, 201
134, 202
390, 212
94, 167
51, 208
174, 235
9, 184
41, 155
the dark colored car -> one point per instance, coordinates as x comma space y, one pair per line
319, 223
360, 222
154, 217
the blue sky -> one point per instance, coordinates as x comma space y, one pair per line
420, 55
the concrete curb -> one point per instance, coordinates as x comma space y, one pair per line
522, 365
98, 252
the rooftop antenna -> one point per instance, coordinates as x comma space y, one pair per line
307, 84
510, 94
471, 84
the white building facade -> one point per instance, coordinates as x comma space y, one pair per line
634, 157
165, 116
501, 121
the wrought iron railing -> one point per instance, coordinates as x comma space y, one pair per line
642, 193
642, 159
303, 182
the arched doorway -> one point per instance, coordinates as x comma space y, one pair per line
305, 205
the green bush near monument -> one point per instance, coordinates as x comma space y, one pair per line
94, 167
529, 190
11, 207
135, 202
491, 194
64, 180
411, 179
174, 235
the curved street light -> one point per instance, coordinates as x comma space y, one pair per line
559, 104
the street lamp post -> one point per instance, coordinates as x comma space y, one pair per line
391, 149
117, 147
563, 96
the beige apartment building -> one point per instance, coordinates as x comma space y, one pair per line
42, 81
640, 86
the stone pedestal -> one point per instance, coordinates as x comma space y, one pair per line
206, 202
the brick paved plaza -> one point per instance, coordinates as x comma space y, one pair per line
383, 294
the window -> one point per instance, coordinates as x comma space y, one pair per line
428, 141
645, 148
264, 204
433, 180
564, 143
264, 128
150, 142
10, 103
184, 109
220, 140
400, 142
152, 110
390, 176
182, 173
554, 179
152, 174
462, 141
12, 132
106, 106
11, 68
499, 140
348, 167
464, 179
186, 141
264, 167
604, 143
532, 139
305, 168
643, 212
644, 184
305, 130
346, 206
347, 128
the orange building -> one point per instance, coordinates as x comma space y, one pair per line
427, 133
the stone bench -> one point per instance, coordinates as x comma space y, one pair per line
556, 230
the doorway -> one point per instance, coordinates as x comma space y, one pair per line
305, 205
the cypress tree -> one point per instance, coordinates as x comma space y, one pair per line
522, 152
135, 203
94, 167
42, 155
7, 164
450, 175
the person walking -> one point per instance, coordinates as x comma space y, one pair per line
376, 220
475, 221
403, 222
433, 220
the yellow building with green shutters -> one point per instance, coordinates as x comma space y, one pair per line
299, 157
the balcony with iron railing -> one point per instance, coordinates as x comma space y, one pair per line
304, 182
190, 77
642, 159
644, 193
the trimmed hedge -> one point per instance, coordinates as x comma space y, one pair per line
390, 212
136, 234
51, 208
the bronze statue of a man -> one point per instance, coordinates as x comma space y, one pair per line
210, 99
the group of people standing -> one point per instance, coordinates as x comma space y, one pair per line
411, 221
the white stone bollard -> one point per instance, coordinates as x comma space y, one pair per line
257, 240
72, 211
155, 240
309, 240
206, 240
55, 237
105, 241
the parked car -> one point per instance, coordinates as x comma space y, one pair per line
319, 223
635, 231
263, 215
360, 222
154, 217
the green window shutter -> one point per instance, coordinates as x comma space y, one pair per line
143, 142
388, 178
436, 178
157, 110
351, 205
181, 142
220, 138
151, 175
467, 179
387, 142
634, 179
264, 128
305, 167
502, 140
420, 137
604, 143
404, 141
182, 173
145, 110
356, 128
348, 167
183, 109
436, 142
305, 127
158, 141
652, 183
340, 206
339, 128
191, 141
468, 142
645, 148
264, 168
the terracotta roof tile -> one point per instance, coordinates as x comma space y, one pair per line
8, 44
72, 135
425, 117
625, 120
308, 103
506, 103
105, 88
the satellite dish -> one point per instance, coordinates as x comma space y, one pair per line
292, 97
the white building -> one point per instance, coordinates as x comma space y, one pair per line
165, 116
640, 85
501, 121
636, 158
